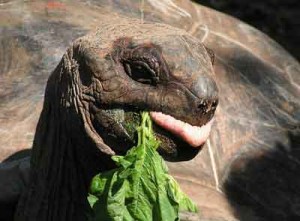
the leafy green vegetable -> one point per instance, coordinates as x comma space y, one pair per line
140, 188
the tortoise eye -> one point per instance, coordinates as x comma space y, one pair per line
142, 72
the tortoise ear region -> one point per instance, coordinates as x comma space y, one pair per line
211, 54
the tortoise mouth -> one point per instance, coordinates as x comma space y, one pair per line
195, 136
180, 141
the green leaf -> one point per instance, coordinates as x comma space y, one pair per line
140, 188
92, 199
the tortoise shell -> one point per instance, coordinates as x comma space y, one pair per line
251, 146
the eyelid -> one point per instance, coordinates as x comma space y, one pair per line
146, 65
145, 75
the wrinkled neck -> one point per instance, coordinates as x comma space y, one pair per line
61, 169
65, 153
59, 179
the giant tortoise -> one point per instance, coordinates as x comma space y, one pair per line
186, 64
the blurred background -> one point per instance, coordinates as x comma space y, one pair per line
280, 19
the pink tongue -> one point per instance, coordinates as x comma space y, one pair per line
193, 135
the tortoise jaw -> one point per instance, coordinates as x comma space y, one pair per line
117, 127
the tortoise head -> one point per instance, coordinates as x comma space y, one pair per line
108, 77
92, 103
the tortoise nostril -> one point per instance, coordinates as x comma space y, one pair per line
214, 104
206, 106
202, 105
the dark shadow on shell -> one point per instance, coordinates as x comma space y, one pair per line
14, 175
18, 155
267, 187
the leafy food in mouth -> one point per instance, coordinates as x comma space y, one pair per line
140, 188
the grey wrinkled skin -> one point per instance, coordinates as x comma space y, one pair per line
248, 168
